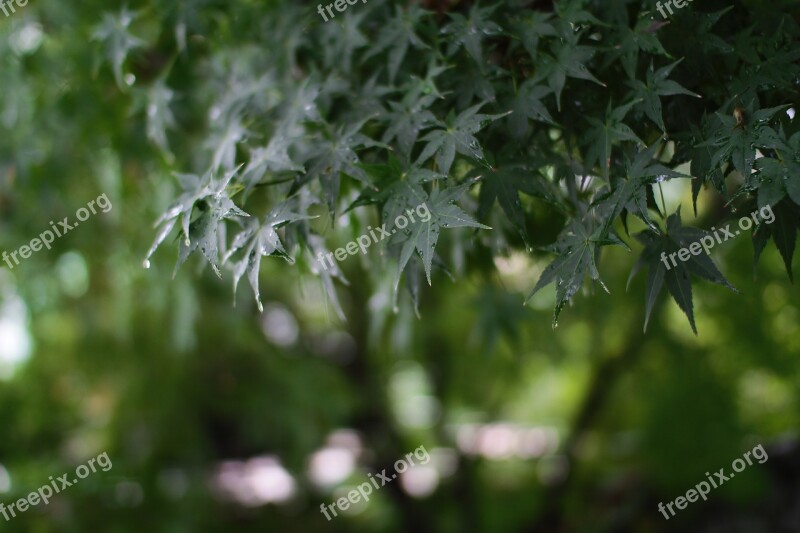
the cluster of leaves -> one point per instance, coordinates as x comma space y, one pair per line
584, 106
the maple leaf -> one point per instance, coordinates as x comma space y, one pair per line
530, 28
405, 121
567, 60
658, 246
156, 101
300, 107
469, 33
737, 142
456, 136
701, 168
213, 204
630, 193
371, 98
570, 13
224, 139
504, 184
783, 231
701, 24
775, 69
657, 85
423, 235
271, 158
641, 38
472, 83
578, 248
117, 40
527, 104
315, 250
335, 154
396, 183
259, 239
603, 133
342, 38
397, 34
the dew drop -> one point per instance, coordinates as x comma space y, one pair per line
146, 263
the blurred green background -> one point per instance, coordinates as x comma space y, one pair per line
217, 417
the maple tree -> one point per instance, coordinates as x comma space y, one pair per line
559, 147
588, 109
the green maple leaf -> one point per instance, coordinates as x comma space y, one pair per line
301, 106
213, 204
630, 193
473, 84
602, 134
419, 87
340, 39
371, 98
578, 248
225, 138
336, 154
395, 183
793, 178
567, 60
657, 85
406, 120
274, 157
570, 13
113, 32
469, 33
315, 250
737, 143
456, 136
783, 232
776, 183
746, 46
641, 38
155, 102
397, 34
657, 248
530, 28
527, 104
776, 69
259, 239
421, 235
777, 178
701, 24
503, 184
701, 168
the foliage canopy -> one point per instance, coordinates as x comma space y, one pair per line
578, 107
